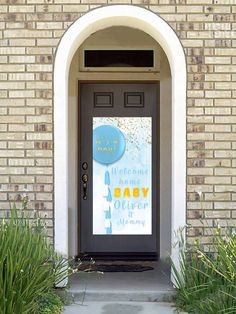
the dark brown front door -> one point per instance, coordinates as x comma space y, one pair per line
119, 168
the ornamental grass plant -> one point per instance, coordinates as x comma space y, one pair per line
206, 282
29, 267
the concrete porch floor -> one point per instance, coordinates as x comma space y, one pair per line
148, 286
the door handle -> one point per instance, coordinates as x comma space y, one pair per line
85, 186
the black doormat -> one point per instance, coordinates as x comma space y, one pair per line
126, 268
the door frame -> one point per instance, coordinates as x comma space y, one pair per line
157, 143
95, 20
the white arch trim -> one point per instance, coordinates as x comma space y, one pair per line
152, 24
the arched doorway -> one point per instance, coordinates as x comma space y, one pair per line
159, 30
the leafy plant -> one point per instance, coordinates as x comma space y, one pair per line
206, 283
29, 267
50, 303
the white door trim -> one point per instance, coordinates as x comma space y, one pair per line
153, 25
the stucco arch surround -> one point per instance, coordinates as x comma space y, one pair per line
153, 25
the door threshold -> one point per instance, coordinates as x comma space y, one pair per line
118, 257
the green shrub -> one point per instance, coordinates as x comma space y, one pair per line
206, 283
50, 303
29, 267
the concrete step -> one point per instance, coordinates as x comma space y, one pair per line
148, 286
122, 296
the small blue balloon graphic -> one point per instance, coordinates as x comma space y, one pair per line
108, 144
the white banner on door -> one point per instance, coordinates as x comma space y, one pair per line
122, 176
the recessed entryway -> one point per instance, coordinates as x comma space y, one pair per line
161, 33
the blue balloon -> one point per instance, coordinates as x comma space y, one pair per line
108, 144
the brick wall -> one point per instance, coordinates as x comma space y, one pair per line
29, 33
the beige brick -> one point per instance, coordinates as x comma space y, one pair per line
39, 170
217, 180
225, 188
217, 163
217, 128
203, 102
21, 8
44, 162
218, 94
217, 111
200, 136
52, 42
21, 162
26, 33
225, 102
21, 127
39, 136
200, 17
225, 205
200, 154
22, 179
3, 162
44, 197
4, 179
3, 59
39, 102
225, 68
21, 94
21, 145
217, 60
195, 111
12, 85
192, 43
49, 8
199, 34
11, 136
39, 50
217, 214
225, 119
11, 153
12, 102
3, 127
49, 25
234, 111
3, 111
39, 119
21, 76
39, 153
225, 171
19, 42
3, 94
12, 50
44, 179
39, 85
22, 59
12, 68
162, 9
12, 119
226, 136
39, 68
200, 171
225, 52
22, 111
195, 93
225, 154
225, 85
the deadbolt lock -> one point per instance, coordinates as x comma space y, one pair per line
84, 178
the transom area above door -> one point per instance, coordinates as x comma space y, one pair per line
118, 53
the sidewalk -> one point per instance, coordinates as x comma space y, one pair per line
120, 308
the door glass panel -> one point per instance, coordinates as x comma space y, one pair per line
122, 175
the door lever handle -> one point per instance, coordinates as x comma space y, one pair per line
85, 180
